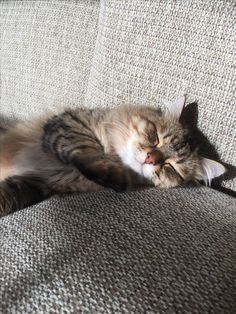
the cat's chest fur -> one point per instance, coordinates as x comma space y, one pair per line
127, 155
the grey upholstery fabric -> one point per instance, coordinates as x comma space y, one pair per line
46, 53
148, 51
150, 251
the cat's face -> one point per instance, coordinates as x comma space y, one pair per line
158, 148
160, 151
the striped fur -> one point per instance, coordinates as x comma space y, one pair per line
86, 150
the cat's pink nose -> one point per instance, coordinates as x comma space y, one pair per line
155, 157
149, 159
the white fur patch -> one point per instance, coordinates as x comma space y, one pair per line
128, 155
127, 152
148, 171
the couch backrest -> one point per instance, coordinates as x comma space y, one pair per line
46, 53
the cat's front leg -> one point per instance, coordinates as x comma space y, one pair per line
108, 171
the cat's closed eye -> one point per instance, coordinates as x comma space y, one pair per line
174, 171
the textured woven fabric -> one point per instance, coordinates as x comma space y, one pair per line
46, 53
151, 251
148, 51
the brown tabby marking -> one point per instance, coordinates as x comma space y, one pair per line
87, 150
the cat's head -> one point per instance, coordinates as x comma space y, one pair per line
157, 146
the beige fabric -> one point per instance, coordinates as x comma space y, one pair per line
149, 50
146, 51
46, 53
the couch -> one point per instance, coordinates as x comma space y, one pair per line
146, 251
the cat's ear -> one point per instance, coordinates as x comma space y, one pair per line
175, 107
211, 169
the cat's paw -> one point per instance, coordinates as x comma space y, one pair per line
118, 179
104, 171
114, 177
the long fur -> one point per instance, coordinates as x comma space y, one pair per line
87, 150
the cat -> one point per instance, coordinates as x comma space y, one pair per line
81, 150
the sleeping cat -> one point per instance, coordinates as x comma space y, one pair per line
87, 150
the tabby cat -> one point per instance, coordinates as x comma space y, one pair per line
83, 150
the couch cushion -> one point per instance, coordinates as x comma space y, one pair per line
150, 251
46, 53
148, 51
